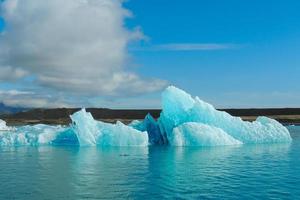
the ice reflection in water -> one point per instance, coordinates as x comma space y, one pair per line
234, 172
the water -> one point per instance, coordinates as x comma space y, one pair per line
236, 172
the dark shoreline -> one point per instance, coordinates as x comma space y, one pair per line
61, 115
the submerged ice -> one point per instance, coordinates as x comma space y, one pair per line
184, 121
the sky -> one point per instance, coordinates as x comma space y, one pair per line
122, 54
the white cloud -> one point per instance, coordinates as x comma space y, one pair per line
191, 47
30, 99
77, 46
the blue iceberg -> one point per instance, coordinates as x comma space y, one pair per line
29, 135
91, 132
84, 131
180, 108
184, 121
155, 136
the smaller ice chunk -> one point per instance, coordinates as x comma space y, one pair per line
198, 134
3, 126
153, 130
120, 134
36, 135
85, 127
138, 125
91, 132
152, 127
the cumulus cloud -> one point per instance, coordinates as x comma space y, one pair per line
77, 46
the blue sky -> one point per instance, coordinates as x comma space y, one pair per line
264, 65
231, 53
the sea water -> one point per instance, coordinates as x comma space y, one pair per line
261, 171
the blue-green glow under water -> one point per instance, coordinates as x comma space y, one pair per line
270, 171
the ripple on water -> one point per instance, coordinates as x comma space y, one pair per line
248, 171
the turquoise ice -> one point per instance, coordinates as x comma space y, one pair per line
184, 121
91, 132
180, 108
29, 135
198, 134
84, 131
149, 124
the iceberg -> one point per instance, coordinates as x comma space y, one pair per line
184, 121
29, 135
180, 108
84, 131
85, 128
91, 132
3, 126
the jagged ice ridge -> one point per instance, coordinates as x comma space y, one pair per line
184, 121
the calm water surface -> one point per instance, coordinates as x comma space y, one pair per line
244, 172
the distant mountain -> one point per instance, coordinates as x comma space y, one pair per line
10, 110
